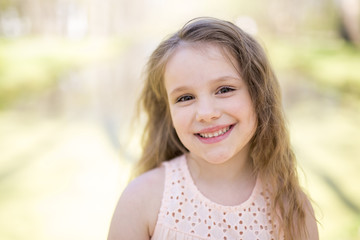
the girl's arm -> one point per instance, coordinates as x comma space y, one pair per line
136, 212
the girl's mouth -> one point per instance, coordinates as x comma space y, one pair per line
217, 133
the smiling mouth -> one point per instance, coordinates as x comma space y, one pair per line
216, 133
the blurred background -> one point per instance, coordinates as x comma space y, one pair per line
70, 73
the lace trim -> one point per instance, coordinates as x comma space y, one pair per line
184, 209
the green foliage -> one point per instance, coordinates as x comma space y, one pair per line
5, 4
330, 63
30, 65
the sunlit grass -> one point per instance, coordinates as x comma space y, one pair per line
62, 185
326, 138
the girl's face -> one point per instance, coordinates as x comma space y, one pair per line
210, 105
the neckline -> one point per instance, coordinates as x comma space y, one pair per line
205, 199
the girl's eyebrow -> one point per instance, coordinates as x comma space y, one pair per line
178, 89
216, 80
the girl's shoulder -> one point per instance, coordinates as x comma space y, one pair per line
154, 178
138, 207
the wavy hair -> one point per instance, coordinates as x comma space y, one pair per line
271, 152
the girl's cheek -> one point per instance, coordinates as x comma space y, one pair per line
175, 115
180, 117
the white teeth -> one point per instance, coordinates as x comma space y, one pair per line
215, 134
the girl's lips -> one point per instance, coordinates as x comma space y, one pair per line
215, 134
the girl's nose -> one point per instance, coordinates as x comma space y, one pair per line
206, 111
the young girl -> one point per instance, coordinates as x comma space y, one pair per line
217, 161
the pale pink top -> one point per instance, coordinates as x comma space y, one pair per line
185, 213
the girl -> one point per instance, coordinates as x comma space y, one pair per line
217, 161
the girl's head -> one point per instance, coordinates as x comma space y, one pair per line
160, 138
269, 146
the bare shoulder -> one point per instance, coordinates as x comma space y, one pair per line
136, 213
310, 220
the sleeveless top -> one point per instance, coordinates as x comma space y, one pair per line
185, 213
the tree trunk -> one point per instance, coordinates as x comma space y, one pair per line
350, 21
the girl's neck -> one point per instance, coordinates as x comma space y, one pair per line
234, 171
221, 182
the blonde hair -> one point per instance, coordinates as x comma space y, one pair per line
271, 153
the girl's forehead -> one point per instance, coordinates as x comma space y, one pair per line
208, 49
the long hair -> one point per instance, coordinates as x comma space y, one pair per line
271, 153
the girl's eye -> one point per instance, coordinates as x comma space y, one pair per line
184, 98
223, 90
